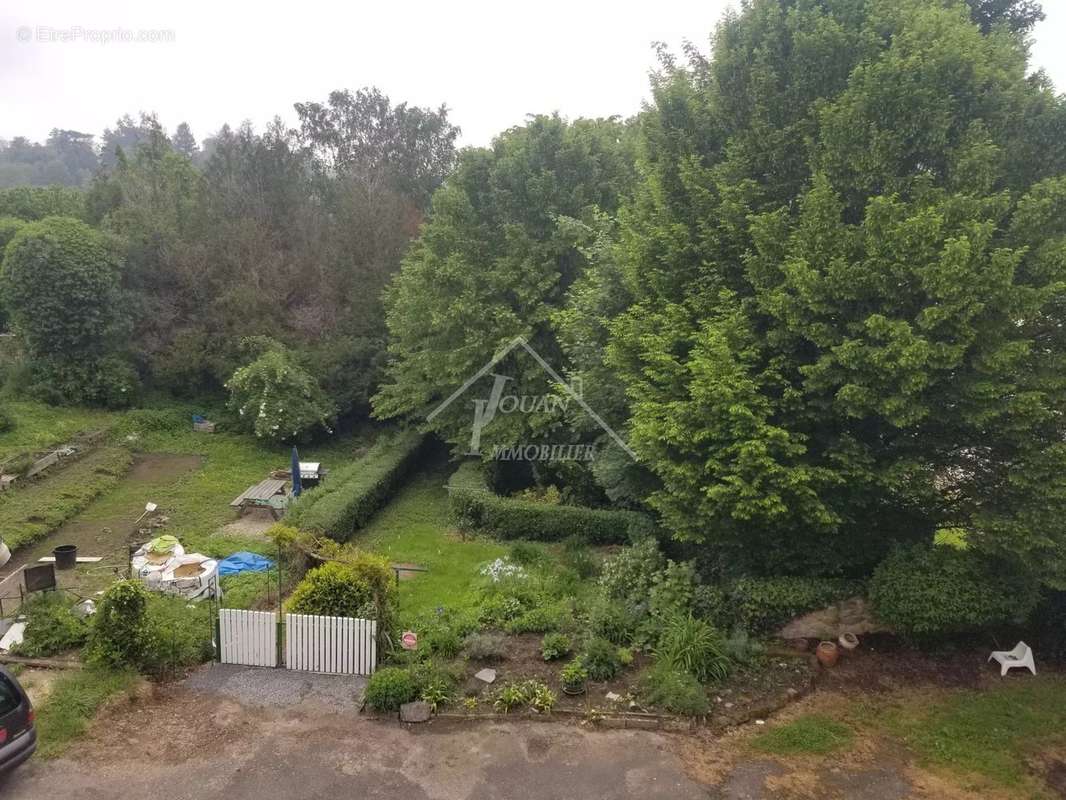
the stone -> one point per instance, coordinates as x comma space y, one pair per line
613, 697
853, 615
415, 712
486, 675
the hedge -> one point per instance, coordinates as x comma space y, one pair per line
760, 605
475, 506
351, 495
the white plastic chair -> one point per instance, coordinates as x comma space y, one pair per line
1020, 656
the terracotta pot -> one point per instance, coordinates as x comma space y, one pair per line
827, 654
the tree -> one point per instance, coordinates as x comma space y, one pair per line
362, 135
127, 135
275, 398
60, 285
495, 259
184, 142
847, 263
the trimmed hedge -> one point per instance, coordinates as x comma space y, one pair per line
351, 495
475, 506
759, 605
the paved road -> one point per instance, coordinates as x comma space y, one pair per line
236, 734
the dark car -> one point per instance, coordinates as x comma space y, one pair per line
18, 738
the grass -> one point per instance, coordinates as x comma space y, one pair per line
415, 528
73, 702
811, 734
990, 733
39, 426
31, 512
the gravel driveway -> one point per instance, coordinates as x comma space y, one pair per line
244, 734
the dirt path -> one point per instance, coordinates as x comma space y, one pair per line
106, 536
309, 743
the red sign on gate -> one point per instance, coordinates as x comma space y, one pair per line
409, 640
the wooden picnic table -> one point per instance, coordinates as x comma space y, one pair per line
265, 494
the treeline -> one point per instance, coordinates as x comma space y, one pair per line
187, 265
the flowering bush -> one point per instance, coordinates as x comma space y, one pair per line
500, 569
277, 399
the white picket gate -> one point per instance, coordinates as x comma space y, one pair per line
340, 645
343, 645
248, 637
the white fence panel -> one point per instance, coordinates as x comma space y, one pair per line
248, 637
340, 645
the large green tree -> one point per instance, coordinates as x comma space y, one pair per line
847, 261
60, 286
506, 238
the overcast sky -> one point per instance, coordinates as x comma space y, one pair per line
491, 62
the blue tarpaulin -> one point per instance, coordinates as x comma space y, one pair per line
244, 562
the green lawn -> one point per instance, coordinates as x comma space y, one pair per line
414, 527
991, 732
810, 734
73, 702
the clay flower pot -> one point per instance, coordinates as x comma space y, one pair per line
849, 641
827, 654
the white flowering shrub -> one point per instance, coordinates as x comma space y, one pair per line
501, 569
276, 399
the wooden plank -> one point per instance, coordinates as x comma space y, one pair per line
80, 559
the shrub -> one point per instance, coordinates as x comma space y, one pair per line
763, 604
443, 641
555, 646
694, 646
613, 621
351, 496
474, 505
526, 553
179, 636
51, 627
484, 647
151, 420
120, 634
673, 690
277, 399
927, 591
601, 659
361, 586
631, 573
389, 688
541, 619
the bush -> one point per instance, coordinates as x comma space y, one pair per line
673, 690
694, 646
179, 636
541, 619
764, 604
52, 627
631, 573
442, 641
474, 505
349, 497
526, 554
927, 591
152, 420
484, 647
389, 688
579, 558
120, 634
613, 621
602, 660
361, 586
575, 674
555, 646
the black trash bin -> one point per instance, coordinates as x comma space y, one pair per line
66, 556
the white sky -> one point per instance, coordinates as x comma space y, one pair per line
491, 62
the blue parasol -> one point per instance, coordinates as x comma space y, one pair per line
297, 487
